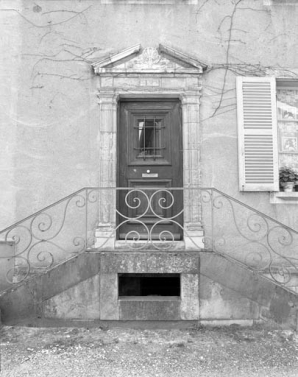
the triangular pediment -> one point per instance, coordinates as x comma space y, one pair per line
149, 60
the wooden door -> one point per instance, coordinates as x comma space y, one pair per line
150, 160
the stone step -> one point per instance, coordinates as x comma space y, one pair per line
76, 287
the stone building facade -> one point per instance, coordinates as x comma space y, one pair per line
215, 86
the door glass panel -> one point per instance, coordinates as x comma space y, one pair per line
149, 138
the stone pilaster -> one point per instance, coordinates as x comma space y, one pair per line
107, 141
193, 230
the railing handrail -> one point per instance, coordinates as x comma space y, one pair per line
41, 210
144, 188
262, 214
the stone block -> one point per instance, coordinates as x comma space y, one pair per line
78, 302
149, 263
192, 82
104, 238
149, 82
190, 309
106, 82
126, 82
21, 302
109, 309
219, 302
67, 275
7, 262
236, 278
173, 82
193, 240
152, 309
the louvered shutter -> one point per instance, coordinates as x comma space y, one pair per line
257, 134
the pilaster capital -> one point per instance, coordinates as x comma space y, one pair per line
108, 98
190, 98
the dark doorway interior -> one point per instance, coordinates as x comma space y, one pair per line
149, 285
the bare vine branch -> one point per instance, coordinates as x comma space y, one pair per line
49, 22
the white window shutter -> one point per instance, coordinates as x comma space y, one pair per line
257, 134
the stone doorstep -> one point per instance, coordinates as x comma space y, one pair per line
128, 246
152, 246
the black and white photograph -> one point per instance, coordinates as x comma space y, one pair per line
149, 188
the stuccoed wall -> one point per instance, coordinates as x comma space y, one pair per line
49, 111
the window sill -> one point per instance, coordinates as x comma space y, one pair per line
282, 197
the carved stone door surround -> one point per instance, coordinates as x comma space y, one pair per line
149, 73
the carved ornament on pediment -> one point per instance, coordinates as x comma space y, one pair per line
149, 59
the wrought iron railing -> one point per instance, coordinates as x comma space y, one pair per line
140, 219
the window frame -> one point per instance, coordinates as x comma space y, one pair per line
276, 196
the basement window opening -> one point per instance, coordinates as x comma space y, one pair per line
165, 285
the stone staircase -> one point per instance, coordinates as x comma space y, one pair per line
245, 272
70, 293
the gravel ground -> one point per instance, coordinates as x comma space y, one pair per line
104, 352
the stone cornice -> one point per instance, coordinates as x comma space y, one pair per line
108, 61
170, 52
135, 60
